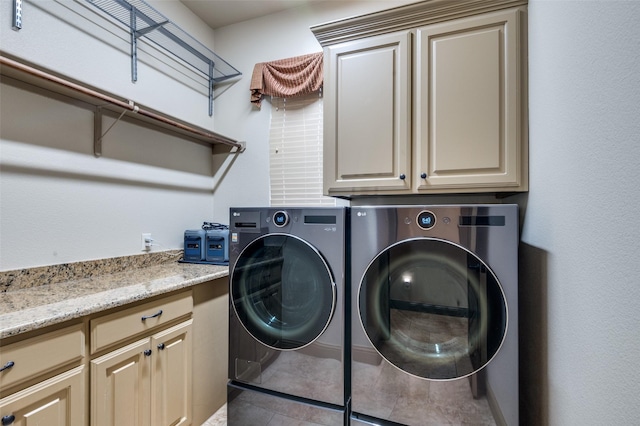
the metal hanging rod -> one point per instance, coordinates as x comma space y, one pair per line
40, 78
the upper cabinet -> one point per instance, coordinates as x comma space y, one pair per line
367, 94
437, 106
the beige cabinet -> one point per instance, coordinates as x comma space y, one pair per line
136, 368
367, 133
171, 376
439, 107
45, 379
148, 381
58, 401
468, 105
120, 386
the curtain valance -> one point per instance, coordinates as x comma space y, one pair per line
286, 77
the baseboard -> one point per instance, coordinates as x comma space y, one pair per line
323, 350
495, 408
366, 355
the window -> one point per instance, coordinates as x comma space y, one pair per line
295, 151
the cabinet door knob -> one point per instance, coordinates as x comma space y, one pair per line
147, 352
402, 176
423, 175
7, 420
157, 314
7, 366
161, 346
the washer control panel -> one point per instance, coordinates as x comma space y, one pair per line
426, 219
280, 218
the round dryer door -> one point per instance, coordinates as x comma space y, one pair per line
432, 309
283, 291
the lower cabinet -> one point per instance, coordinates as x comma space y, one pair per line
171, 376
120, 386
42, 379
138, 372
149, 381
58, 401
145, 383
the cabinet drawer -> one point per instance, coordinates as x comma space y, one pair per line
39, 355
118, 326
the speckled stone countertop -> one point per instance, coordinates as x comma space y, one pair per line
38, 297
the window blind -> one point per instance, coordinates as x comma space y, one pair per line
295, 151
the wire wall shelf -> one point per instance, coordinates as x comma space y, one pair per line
143, 20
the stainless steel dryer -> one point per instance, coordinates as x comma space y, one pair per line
287, 316
435, 315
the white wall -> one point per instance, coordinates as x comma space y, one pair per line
277, 36
580, 234
58, 203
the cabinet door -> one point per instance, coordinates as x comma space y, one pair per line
58, 401
120, 385
367, 123
470, 103
171, 394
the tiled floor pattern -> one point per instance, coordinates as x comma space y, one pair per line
408, 400
403, 399
312, 377
260, 409
218, 419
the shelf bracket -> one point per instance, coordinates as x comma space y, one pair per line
140, 33
135, 35
98, 136
222, 162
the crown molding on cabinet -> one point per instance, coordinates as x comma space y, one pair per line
404, 18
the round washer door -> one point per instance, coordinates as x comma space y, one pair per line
283, 291
433, 309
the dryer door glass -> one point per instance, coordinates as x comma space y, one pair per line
283, 291
433, 309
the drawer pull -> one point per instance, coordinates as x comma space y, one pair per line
7, 420
161, 346
157, 314
147, 352
7, 366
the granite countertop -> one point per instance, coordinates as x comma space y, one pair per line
38, 297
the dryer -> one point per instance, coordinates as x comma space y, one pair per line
287, 291
435, 315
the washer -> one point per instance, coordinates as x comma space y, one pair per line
435, 315
287, 312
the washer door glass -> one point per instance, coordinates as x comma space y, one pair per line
432, 309
283, 291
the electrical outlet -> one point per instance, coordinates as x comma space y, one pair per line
146, 241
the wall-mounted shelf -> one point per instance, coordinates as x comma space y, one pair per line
100, 101
142, 20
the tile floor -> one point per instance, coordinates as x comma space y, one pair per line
219, 418
432, 403
381, 391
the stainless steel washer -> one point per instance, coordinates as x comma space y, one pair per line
287, 312
435, 317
